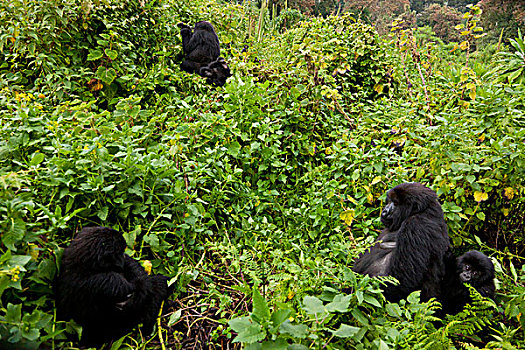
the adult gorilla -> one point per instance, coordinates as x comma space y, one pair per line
104, 290
413, 245
202, 49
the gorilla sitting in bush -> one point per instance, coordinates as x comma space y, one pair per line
104, 290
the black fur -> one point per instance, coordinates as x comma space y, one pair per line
202, 49
413, 245
474, 268
104, 290
216, 72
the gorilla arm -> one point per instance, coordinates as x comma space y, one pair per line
111, 288
186, 34
376, 260
132, 269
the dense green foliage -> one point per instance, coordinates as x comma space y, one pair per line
273, 183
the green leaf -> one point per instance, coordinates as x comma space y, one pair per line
297, 347
106, 75
382, 345
345, 331
19, 260
111, 53
360, 316
277, 344
515, 74
240, 323
102, 213
94, 55
393, 310
30, 334
261, 312
513, 272
174, 317
4, 283
234, 148
279, 316
371, 300
14, 313
14, 231
36, 159
251, 334
313, 306
299, 331
117, 344
339, 304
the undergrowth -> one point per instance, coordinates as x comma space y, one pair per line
254, 198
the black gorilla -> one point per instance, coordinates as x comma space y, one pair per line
474, 268
216, 72
201, 48
104, 290
413, 245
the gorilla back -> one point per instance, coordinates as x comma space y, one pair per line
413, 244
201, 46
104, 290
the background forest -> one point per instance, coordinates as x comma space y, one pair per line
256, 197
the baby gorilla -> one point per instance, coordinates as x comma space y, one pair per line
216, 72
474, 268
104, 290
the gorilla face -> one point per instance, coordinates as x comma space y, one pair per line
475, 268
390, 211
468, 273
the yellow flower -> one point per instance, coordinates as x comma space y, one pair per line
509, 192
15, 273
147, 266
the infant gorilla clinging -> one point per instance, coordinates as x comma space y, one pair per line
104, 290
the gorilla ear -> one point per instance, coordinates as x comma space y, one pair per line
394, 196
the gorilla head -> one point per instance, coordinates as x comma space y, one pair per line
95, 249
216, 72
408, 199
476, 269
